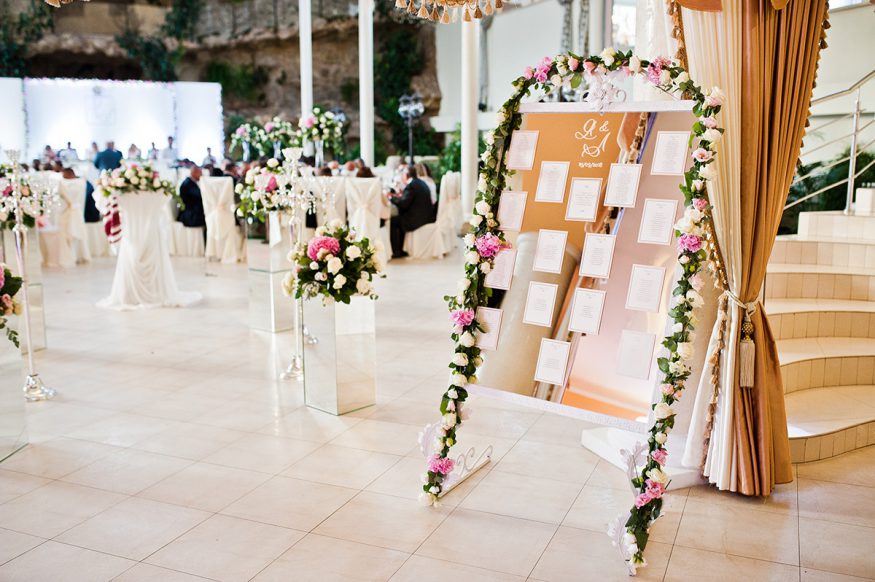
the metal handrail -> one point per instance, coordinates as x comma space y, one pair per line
830, 187
865, 79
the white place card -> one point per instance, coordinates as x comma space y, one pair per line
635, 356
550, 251
598, 254
583, 199
551, 182
539, 304
502, 270
645, 288
622, 190
521, 155
587, 306
670, 153
657, 221
490, 319
552, 361
511, 210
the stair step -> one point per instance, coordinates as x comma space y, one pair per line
795, 350
789, 281
836, 224
829, 421
821, 250
821, 318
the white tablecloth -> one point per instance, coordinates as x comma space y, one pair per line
144, 276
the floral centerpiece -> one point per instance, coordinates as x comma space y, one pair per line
335, 264
282, 133
260, 192
247, 135
33, 205
322, 126
132, 178
9, 286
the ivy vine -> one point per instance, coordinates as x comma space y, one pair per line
17, 32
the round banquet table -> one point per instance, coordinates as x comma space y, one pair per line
144, 276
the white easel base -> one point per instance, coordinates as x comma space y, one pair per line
466, 468
607, 442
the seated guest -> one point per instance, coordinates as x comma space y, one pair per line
37, 165
68, 154
424, 174
349, 169
364, 172
216, 172
57, 166
134, 152
190, 192
109, 159
210, 159
231, 170
414, 210
92, 214
48, 155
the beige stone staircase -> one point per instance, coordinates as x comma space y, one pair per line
820, 299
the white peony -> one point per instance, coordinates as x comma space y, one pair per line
662, 411
334, 265
339, 282
467, 339
685, 350
353, 252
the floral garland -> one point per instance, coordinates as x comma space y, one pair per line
335, 264
33, 205
322, 126
9, 286
260, 192
131, 178
486, 240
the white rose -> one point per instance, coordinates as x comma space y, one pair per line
467, 339
501, 116
334, 265
664, 77
464, 284
313, 265
156, 183
682, 77
320, 231
556, 80
693, 214
708, 171
335, 224
459, 380
272, 163
460, 359
684, 259
481, 183
678, 368
135, 180
469, 240
339, 282
362, 286
607, 56
353, 252
694, 298
321, 276
452, 394
476, 220
472, 257
485, 268
482, 207
635, 64
662, 411
489, 138
685, 350
660, 437
449, 420
657, 476
712, 135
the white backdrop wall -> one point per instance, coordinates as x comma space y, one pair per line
12, 126
39, 112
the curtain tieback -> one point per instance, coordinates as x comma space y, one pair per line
746, 346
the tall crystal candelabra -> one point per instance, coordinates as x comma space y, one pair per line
26, 201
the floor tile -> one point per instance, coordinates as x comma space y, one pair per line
688, 564
381, 520
56, 458
127, 471
13, 544
291, 503
382, 437
226, 549
263, 453
811, 575
318, 559
134, 528
522, 496
827, 501
123, 430
310, 425
148, 573
189, 441
496, 542
14, 484
561, 463
52, 561
837, 547
205, 486
422, 569
342, 466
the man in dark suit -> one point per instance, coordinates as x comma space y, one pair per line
414, 210
190, 192
109, 159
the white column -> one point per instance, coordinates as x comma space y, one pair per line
596, 26
305, 35
470, 89
366, 80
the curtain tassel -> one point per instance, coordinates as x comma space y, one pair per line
478, 14
466, 15
411, 7
401, 4
487, 8
423, 11
498, 4
746, 354
445, 16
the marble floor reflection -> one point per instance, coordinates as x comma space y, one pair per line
174, 454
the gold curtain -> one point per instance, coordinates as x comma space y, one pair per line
780, 51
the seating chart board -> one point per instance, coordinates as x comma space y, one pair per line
583, 315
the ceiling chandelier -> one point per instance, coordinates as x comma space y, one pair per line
441, 10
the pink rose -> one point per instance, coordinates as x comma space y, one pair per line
702, 155
654, 490
241, 131
529, 73
654, 69
699, 204
2, 277
318, 243
689, 242
310, 122
659, 455
589, 66
441, 465
573, 63
697, 282
6, 300
462, 317
271, 184
710, 122
268, 127
642, 500
541, 76
667, 389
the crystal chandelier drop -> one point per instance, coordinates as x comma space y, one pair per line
446, 11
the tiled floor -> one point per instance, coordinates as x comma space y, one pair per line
173, 454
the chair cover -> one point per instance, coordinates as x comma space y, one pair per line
72, 219
184, 241
449, 217
224, 240
95, 239
426, 242
144, 276
363, 204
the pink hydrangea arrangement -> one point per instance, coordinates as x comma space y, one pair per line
329, 244
488, 245
441, 465
462, 317
689, 243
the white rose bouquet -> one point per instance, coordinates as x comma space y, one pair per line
34, 203
335, 264
133, 177
260, 192
322, 126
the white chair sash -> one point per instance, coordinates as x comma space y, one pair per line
218, 198
363, 206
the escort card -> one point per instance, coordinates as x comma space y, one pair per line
521, 155
502, 270
511, 210
551, 182
583, 199
657, 221
550, 251
598, 254
539, 304
490, 319
635, 356
645, 288
622, 187
586, 311
670, 153
552, 361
